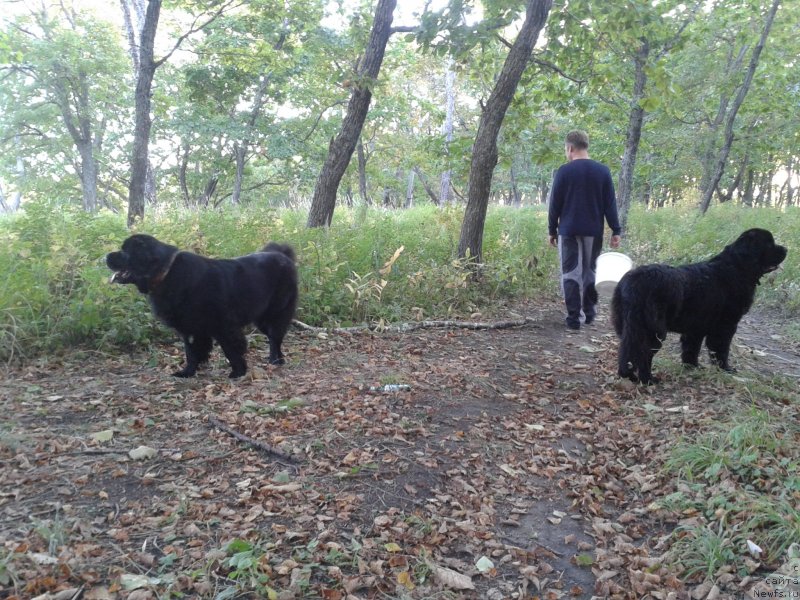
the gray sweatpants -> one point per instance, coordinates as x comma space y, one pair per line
578, 256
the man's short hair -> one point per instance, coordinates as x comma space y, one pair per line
578, 139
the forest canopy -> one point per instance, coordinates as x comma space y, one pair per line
248, 96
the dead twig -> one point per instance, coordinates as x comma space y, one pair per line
268, 448
406, 327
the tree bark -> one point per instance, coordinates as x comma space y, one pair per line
722, 158
516, 197
484, 151
732, 67
410, 188
342, 146
747, 194
634, 134
362, 173
447, 129
143, 122
427, 186
13, 205
242, 147
133, 33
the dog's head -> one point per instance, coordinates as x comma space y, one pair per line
756, 248
142, 261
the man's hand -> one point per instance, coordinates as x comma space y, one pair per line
554, 241
615, 240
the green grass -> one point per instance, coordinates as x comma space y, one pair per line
739, 477
748, 449
371, 266
681, 235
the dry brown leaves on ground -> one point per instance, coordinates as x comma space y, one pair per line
517, 466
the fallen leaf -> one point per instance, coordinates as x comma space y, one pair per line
142, 453
103, 436
484, 564
451, 579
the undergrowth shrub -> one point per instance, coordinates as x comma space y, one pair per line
682, 235
370, 266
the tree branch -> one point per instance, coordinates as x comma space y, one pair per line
555, 69
222, 9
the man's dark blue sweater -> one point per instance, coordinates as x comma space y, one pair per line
582, 197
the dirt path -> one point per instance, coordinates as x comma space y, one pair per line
515, 449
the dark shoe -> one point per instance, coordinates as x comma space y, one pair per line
573, 326
589, 320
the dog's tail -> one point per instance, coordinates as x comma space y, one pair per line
282, 248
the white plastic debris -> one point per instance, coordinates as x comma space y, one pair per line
391, 387
754, 549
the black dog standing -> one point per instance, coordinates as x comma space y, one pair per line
207, 299
705, 300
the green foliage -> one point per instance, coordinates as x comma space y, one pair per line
739, 480
749, 451
702, 551
680, 235
371, 266
249, 568
54, 293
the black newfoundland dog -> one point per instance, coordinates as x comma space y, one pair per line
208, 299
700, 301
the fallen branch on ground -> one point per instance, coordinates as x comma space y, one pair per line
404, 327
248, 440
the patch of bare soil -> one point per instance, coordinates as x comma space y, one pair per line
517, 466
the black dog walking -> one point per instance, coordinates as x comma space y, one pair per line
207, 299
701, 301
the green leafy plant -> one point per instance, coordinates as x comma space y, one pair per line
246, 563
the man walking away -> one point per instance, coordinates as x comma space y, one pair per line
581, 200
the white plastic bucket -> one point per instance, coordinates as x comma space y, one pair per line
611, 266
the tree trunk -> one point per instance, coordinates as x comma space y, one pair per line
143, 122
544, 190
789, 176
241, 149
447, 129
516, 197
747, 194
634, 134
737, 181
239, 155
484, 151
722, 158
732, 68
427, 186
133, 33
410, 189
362, 173
13, 205
342, 146
88, 176
183, 165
